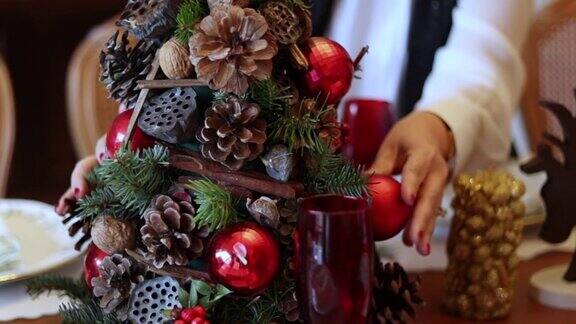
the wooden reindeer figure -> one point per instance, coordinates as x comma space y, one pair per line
559, 190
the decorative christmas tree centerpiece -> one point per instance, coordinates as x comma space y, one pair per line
231, 119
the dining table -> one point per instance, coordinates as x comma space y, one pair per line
524, 309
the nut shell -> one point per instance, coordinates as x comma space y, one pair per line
174, 60
112, 235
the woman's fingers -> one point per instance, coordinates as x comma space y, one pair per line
78, 178
100, 149
429, 200
386, 160
65, 203
413, 173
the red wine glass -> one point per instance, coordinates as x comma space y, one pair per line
334, 259
366, 122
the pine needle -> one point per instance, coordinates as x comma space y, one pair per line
297, 131
72, 288
331, 173
216, 205
190, 13
85, 313
271, 97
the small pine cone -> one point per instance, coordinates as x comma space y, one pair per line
233, 133
168, 234
328, 127
121, 67
231, 48
149, 18
395, 295
118, 277
290, 308
288, 218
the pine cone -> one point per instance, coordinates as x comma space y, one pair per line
149, 18
290, 308
328, 127
230, 48
395, 295
121, 66
118, 277
169, 235
233, 132
288, 217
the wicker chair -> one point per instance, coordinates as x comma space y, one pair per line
550, 57
7, 125
90, 111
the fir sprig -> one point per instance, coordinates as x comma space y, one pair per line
271, 97
85, 313
216, 205
189, 14
297, 130
100, 201
73, 288
331, 173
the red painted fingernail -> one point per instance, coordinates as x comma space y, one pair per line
424, 250
101, 156
77, 193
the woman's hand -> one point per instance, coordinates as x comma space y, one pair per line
78, 185
418, 147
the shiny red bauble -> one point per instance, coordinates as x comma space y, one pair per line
92, 261
118, 132
244, 257
388, 211
330, 70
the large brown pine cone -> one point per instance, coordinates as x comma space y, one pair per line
121, 66
230, 48
233, 132
395, 295
118, 277
169, 235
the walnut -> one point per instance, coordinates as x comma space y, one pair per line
112, 235
174, 59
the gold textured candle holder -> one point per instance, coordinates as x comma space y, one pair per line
485, 232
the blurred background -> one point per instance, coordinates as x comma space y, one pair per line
37, 39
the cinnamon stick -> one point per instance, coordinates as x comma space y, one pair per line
142, 98
195, 163
164, 84
173, 271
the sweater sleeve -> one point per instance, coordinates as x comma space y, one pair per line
477, 79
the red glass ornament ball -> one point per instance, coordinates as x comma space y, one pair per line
244, 257
388, 211
330, 71
92, 261
118, 132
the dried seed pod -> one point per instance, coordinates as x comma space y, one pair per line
174, 60
264, 210
170, 116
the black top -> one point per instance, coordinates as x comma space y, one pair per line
430, 26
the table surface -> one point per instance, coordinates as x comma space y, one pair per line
524, 310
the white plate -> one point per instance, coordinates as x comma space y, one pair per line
43, 239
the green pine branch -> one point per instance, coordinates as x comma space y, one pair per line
271, 97
332, 173
73, 288
216, 205
297, 131
190, 13
85, 313
100, 201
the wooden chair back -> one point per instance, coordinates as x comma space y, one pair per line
7, 125
90, 111
550, 58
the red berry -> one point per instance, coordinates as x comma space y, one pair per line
198, 320
199, 311
179, 321
188, 314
